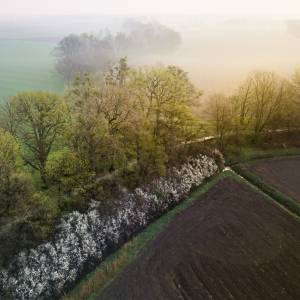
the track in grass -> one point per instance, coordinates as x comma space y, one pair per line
283, 174
233, 243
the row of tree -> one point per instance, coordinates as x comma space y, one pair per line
264, 103
78, 54
130, 123
59, 152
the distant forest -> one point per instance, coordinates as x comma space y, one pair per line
88, 53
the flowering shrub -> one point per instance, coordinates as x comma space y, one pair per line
84, 239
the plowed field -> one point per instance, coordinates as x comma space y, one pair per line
283, 174
232, 243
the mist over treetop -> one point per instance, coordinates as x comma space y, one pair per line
77, 54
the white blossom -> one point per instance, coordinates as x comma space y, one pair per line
84, 239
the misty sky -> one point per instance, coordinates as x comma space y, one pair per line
26, 7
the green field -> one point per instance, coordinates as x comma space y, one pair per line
27, 65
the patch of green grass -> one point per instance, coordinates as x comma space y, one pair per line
90, 286
272, 192
246, 154
27, 65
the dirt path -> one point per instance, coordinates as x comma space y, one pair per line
230, 244
283, 174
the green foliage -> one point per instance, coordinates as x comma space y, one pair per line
31, 224
69, 172
149, 155
164, 101
39, 119
137, 116
264, 103
128, 127
98, 121
15, 194
117, 74
9, 151
46, 211
14, 188
221, 117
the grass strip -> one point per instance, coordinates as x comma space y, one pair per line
246, 154
272, 192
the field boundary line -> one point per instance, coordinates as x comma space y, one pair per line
89, 288
268, 158
115, 263
280, 198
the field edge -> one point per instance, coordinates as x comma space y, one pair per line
92, 284
283, 200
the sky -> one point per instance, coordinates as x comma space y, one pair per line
34, 7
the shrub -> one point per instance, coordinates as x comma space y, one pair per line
31, 224
15, 194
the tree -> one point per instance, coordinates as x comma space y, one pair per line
262, 100
269, 94
15, 188
241, 105
143, 38
69, 172
8, 118
117, 73
79, 54
147, 153
85, 53
110, 119
16, 192
98, 119
9, 151
39, 119
220, 114
165, 97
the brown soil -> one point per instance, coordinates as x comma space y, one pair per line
283, 174
232, 243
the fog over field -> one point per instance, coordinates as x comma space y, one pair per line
119, 117
218, 51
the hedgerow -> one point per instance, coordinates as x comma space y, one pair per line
85, 239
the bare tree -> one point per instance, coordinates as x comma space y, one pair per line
220, 114
260, 101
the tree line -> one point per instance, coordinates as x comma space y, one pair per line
124, 129
78, 54
59, 152
263, 104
